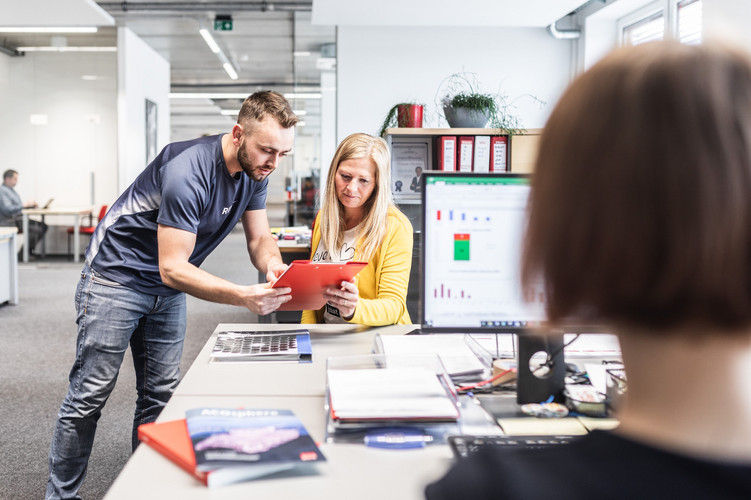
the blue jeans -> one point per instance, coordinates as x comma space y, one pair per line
110, 317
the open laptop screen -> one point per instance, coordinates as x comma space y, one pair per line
473, 225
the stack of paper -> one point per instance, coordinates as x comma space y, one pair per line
389, 394
458, 358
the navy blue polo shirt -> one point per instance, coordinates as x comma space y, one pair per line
188, 187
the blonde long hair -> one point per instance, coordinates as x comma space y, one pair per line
375, 210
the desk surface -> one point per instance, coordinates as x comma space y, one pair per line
58, 211
226, 378
8, 230
351, 471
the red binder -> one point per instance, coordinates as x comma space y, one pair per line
446, 153
498, 153
465, 153
308, 279
172, 440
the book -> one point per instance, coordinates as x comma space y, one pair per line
481, 161
268, 345
308, 279
465, 154
498, 153
171, 440
446, 153
254, 440
389, 394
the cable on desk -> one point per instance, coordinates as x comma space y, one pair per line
485, 382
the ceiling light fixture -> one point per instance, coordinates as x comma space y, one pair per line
207, 95
210, 40
228, 65
66, 49
48, 29
303, 96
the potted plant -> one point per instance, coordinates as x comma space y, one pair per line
405, 115
465, 106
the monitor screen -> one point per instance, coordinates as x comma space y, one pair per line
473, 225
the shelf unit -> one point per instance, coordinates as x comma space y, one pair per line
522, 153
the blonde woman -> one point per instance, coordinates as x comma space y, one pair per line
359, 221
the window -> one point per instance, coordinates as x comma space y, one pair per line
646, 30
660, 19
689, 22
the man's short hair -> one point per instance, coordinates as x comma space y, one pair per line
9, 173
640, 211
263, 104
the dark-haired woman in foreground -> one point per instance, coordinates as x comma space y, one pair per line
640, 217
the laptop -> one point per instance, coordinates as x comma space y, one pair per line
49, 202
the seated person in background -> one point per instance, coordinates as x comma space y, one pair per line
640, 218
359, 221
11, 206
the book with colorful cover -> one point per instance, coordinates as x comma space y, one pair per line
270, 439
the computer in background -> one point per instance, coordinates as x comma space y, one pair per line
473, 228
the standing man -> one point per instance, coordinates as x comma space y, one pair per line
144, 257
11, 206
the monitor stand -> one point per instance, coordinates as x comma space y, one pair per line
548, 381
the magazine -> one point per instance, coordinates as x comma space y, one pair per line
267, 438
266, 345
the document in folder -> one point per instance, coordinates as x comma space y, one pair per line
308, 279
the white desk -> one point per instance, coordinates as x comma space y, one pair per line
350, 472
75, 212
8, 265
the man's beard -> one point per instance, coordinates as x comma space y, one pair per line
254, 173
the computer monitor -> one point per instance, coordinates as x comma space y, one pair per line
472, 231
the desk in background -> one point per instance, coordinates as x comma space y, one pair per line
8, 265
75, 212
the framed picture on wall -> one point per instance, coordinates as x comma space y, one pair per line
150, 131
410, 157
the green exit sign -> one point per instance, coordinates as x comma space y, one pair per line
223, 23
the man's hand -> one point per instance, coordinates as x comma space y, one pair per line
262, 299
275, 270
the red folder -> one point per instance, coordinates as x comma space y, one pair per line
446, 153
172, 440
308, 279
498, 153
465, 153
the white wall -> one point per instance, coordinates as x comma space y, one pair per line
727, 19
142, 74
57, 159
378, 67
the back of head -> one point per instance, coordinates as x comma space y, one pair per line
265, 104
640, 212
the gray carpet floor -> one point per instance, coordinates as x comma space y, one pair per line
37, 339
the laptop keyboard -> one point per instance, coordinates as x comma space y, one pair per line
464, 446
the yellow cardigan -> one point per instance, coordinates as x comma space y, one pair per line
382, 284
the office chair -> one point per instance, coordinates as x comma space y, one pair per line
87, 229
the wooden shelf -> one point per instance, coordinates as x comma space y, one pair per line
454, 131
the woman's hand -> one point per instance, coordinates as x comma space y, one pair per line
343, 298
